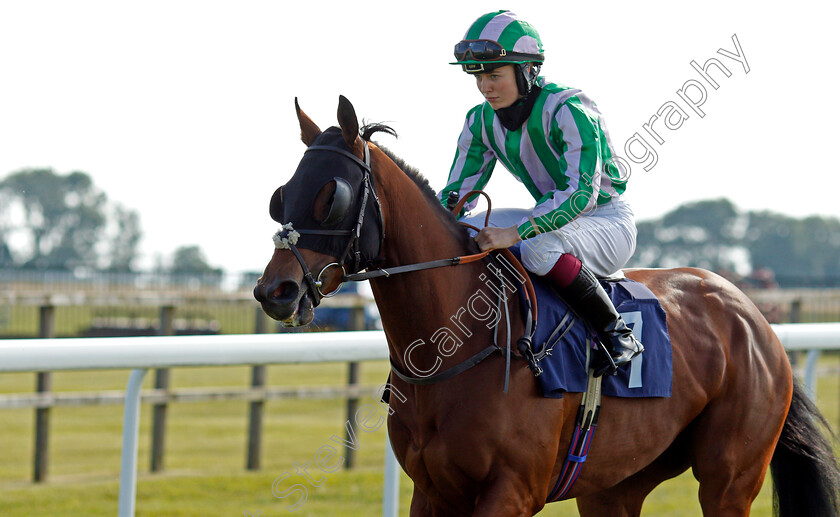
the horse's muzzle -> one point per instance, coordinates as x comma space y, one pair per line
284, 301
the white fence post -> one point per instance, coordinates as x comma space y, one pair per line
811, 373
131, 428
391, 495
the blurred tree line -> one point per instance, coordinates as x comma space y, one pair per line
755, 245
50, 221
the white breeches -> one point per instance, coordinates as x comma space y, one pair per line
603, 239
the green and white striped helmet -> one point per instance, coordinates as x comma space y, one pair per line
498, 38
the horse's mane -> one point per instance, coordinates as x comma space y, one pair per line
368, 130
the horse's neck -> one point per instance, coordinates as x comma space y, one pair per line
429, 305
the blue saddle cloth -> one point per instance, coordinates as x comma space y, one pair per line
566, 335
647, 375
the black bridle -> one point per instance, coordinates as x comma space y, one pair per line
353, 248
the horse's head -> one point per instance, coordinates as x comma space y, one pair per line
331, 220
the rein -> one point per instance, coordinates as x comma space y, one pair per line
420, 266
454, 261
432, 264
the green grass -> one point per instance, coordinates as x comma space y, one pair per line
205, 452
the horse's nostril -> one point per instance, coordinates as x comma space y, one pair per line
284, 292
276, 292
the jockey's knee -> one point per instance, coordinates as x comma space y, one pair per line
537, 257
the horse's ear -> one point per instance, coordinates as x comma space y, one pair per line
348, 122
309, 131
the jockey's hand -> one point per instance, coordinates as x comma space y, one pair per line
492, 238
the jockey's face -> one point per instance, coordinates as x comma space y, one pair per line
499, 86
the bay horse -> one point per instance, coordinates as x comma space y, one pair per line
473, 449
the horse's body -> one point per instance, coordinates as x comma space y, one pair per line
473, 450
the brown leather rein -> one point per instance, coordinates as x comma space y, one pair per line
454, 261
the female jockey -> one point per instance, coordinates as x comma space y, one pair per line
553, 139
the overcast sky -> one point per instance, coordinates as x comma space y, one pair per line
184, 110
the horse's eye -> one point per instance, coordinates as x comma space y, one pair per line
275, 206
333, 202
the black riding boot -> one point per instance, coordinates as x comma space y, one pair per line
589, 299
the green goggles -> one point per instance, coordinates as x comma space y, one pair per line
480, 50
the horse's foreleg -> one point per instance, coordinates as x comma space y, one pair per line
423, 505
606, 503
507, 499
420, 504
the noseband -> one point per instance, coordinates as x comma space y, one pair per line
286, 238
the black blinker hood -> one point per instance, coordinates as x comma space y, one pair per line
294, 203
